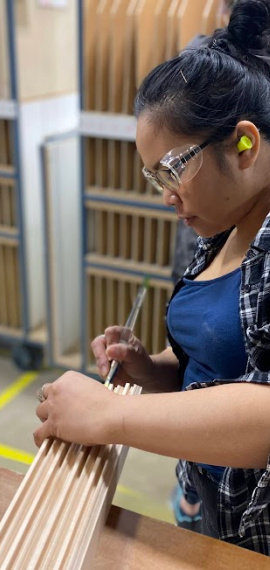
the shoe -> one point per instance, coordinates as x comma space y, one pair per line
182, 519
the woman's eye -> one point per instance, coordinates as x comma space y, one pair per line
174, 177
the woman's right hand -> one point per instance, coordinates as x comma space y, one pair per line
136, 364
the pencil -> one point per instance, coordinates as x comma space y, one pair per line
129, 326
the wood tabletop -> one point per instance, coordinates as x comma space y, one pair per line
130, 542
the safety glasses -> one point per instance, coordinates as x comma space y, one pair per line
179, 166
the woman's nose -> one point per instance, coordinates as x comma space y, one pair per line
171, 198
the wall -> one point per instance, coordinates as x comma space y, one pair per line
46, 48
4, 78
48, 92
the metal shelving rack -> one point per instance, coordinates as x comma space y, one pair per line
14, 324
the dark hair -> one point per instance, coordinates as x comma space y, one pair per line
207, 89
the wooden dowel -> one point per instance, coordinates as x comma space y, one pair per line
159, 38
117, 41
209, 17
90, 43
129, 59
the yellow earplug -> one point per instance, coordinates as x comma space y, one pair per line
244, 144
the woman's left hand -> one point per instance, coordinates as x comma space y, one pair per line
77, 409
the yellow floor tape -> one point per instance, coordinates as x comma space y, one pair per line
7, 396
16, 387
16, 454
134, 500
138, 502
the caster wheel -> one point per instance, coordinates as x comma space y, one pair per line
27, 357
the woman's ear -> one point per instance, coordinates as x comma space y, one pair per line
248, 144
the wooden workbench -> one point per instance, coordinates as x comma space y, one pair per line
131, 542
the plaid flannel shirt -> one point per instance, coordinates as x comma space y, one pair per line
243, 494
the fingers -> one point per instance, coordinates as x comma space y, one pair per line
42, 411
43, 392
42, 433
113, 334
99, 347
124, 353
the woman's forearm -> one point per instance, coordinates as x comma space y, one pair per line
225, 425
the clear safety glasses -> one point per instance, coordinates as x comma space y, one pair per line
179, 165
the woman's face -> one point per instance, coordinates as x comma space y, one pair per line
213, 200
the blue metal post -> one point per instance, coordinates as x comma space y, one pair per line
15, 128
84, 337
47, 265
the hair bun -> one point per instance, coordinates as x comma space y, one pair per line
249, 26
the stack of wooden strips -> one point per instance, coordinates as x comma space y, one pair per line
61, 506
124, 39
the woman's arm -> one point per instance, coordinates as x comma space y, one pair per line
226, 425
223, 425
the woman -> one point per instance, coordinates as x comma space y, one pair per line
204, 137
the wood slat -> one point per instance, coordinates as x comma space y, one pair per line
209, 17
114, 164
171, 47
144, 27
129, 269
129, 87
117, 46
125, 236
189, 17
137, 240
101, 163
10, 301
102, 55
159, 38
3, 289
90, 43
127, 166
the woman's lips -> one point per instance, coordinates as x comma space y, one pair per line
189, 221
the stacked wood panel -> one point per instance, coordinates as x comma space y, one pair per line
58, 512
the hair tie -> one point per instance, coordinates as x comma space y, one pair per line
255, 53
260, 55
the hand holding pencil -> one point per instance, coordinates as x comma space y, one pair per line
129, 326
119, 346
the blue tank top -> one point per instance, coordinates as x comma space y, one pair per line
204, 319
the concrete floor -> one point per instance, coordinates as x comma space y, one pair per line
147, 480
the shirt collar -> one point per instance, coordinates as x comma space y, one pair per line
262, 239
